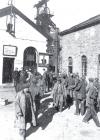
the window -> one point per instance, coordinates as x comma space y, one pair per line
29, 58
70, 65
84, 65
99, 58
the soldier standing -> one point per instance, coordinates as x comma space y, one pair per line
71, 84
58, 95
80, 92
65, 89
55, 93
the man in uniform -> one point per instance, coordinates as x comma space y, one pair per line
80, 92
91, 101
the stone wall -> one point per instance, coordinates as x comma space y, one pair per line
84, 42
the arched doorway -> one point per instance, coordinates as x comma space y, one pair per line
30, 58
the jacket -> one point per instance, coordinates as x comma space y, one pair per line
91, 96
24, 109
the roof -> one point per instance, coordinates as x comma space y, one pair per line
7, 11
86, 24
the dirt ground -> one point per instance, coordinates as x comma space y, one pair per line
53, 125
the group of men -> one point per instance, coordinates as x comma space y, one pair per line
74, 89
66, 90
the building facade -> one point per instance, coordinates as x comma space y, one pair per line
20, 51
80, 49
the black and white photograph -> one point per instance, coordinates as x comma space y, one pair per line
49, 69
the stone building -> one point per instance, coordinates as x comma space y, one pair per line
80, 48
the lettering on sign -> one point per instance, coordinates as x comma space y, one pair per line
9, 50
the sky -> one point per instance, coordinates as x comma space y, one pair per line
67, 13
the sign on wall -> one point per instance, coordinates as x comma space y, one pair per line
9, 50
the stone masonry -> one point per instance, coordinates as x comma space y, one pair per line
76, 44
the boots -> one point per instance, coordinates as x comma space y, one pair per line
96, 120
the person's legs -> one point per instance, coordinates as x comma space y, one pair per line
61, 103
54, 99
77, 112
87, 115
94, 116
57, 102
65, 101
83, 107
22, 133
45, 87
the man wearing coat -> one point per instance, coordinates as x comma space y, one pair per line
35, 92
24, 111
91, 101
57, 93
80, 92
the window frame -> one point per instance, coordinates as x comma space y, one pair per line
84, 65
70, 64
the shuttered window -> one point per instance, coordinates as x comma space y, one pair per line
70, 65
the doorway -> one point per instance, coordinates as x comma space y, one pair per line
30, 58
8, 68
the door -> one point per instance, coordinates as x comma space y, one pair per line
98, 68
8, 68
30, 58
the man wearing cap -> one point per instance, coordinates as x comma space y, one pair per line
56, 92
35, 92
80, 92
91, 100
24, 111
70, 88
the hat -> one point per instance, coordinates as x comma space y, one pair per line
91, 79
